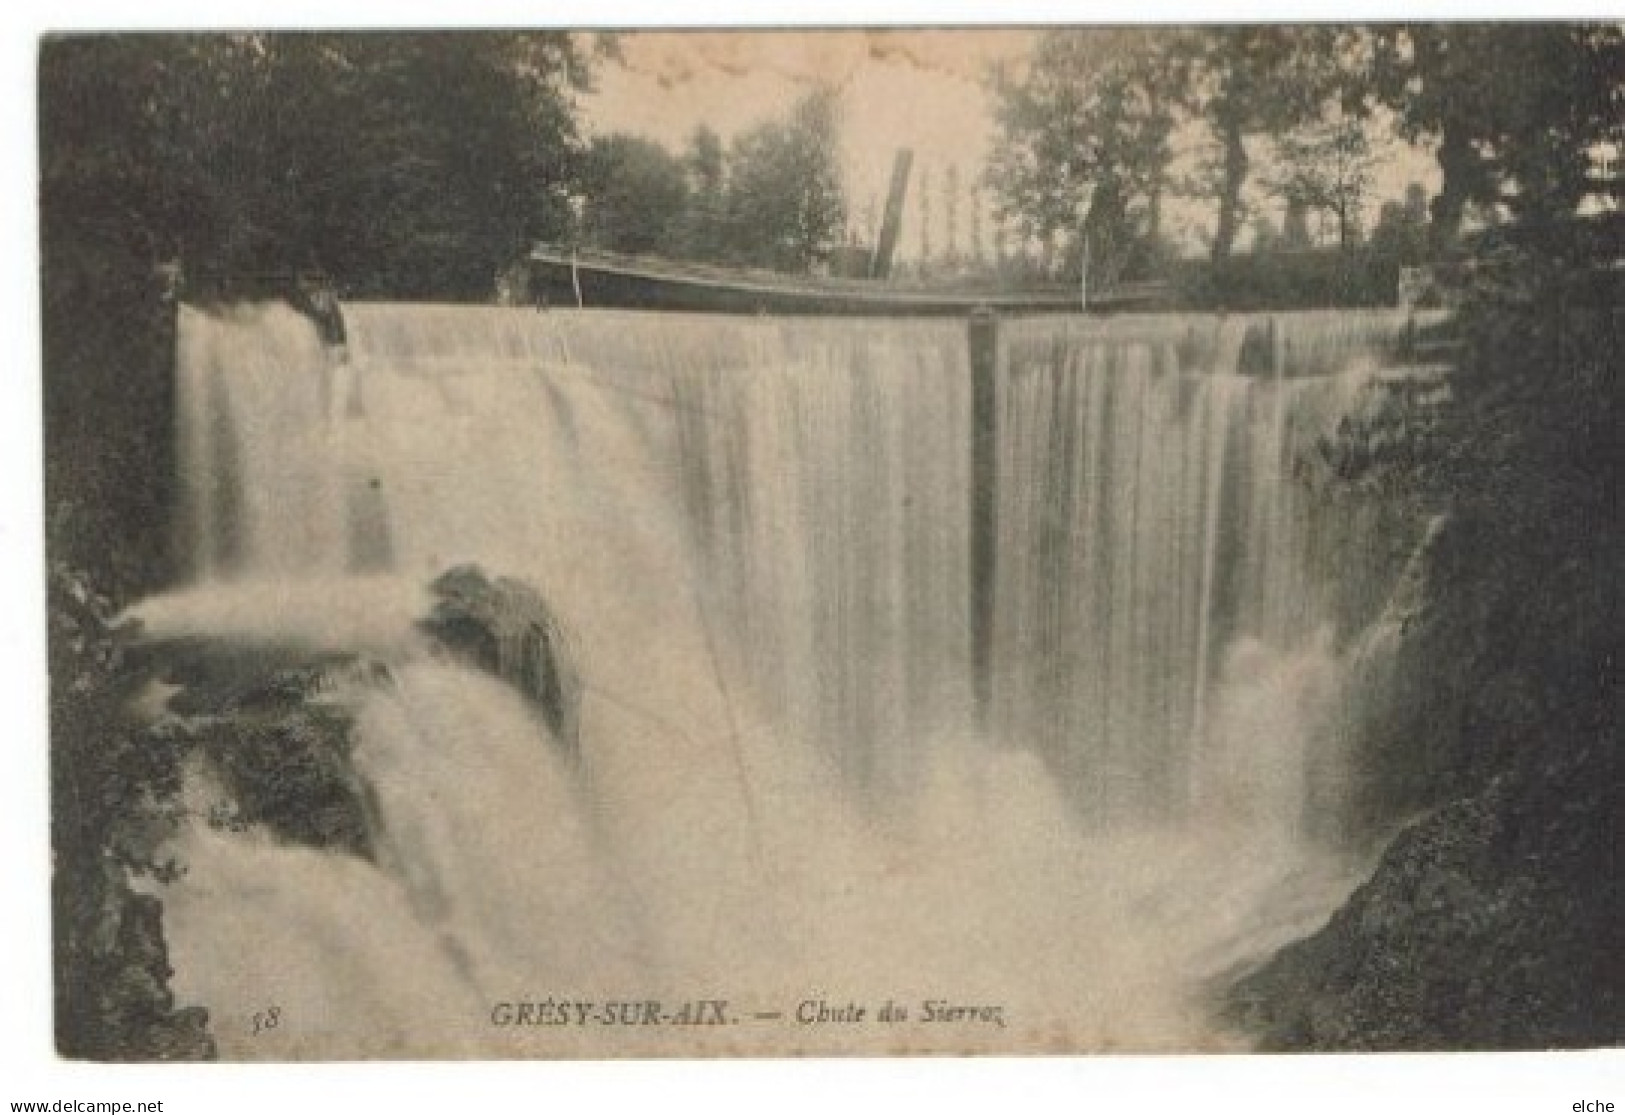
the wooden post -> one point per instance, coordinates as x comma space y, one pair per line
891, 224
983, 333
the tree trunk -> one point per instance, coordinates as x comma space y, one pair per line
1458, 162
1235, 174
1153, 222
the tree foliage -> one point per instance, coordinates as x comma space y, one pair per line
1084, 138
636, 196
1095, 113
773, 198
1094, 110
115, 800
1326, 166
402, 163
700, 229
785, 205
1515, 109
1245, 81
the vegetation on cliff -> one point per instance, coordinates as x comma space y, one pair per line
1491, 921
116, 798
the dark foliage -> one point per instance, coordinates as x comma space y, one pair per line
405, 165
1525, 143
1491, 925
1093, 111
637, 197
1288, 280
114, 792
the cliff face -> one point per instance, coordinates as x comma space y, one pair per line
115, 798
261, 722
1492, 923
1492, 920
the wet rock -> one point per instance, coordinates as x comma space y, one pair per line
1490, 924
115, 1003
281, 746
504, 627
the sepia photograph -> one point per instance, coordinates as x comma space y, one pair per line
882, 541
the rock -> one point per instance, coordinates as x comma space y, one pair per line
1490, 924
124, 1010
505, 628
281, 746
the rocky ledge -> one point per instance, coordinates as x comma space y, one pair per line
1490, 924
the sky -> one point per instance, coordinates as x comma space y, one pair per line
921, 89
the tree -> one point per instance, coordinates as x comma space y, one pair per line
702, 234
1326, 166
785, 203
1085, 130
458, 149
1094, 113
1266, 235
1401, 232
1525, 142
404, 163
1245, 81
1295, 226
636, 196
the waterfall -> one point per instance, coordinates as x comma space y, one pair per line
1156, 545
757, 532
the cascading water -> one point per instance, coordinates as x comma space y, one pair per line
1158, 556
757, 532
